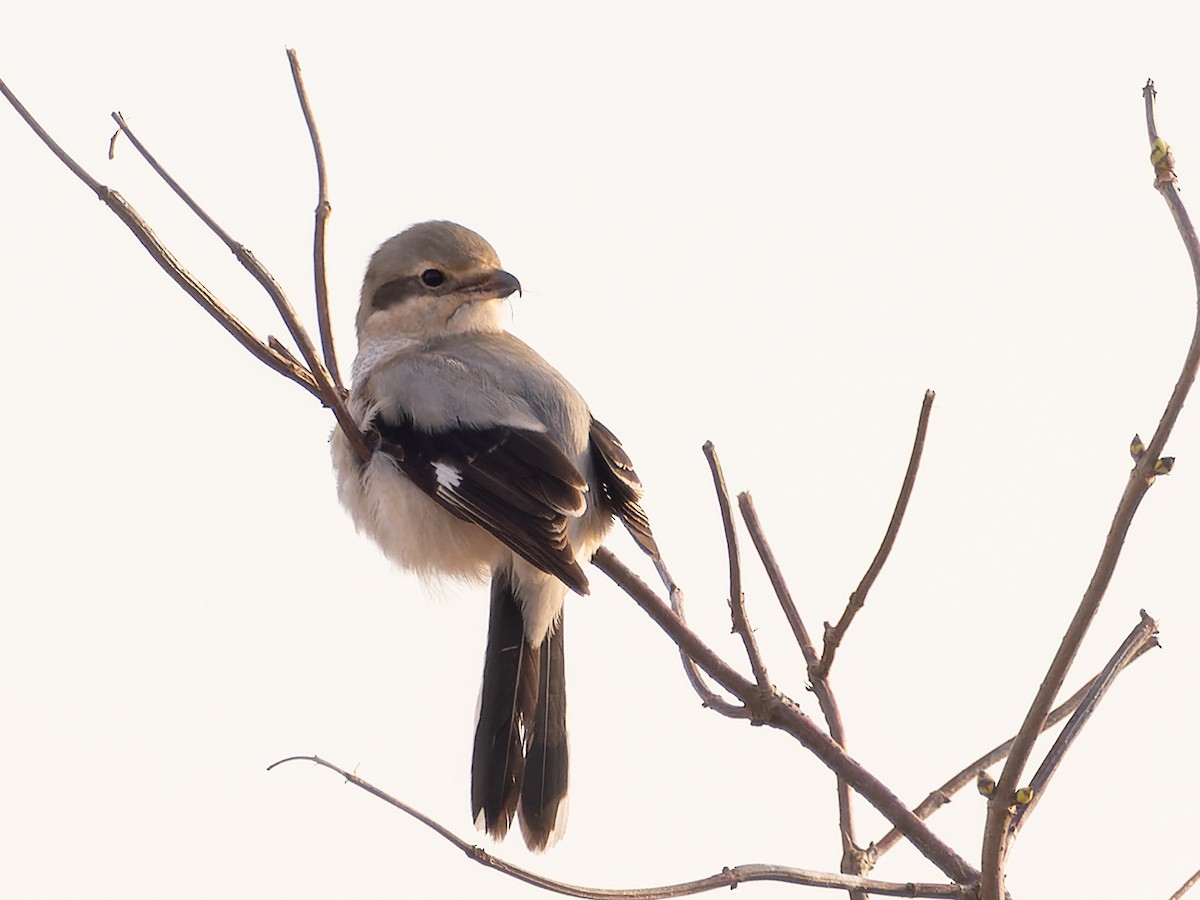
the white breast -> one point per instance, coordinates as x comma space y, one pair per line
409, 527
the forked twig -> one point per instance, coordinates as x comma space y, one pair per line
998, 832
781, 712
331, 395
729, 877
167, 261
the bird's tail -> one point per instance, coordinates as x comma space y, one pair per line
520, 759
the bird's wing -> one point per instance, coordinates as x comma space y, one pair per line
514, 482
621, 486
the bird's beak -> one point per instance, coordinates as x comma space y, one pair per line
494, 284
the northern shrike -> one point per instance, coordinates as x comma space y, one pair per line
486, 463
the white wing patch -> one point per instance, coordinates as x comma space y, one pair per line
447, 476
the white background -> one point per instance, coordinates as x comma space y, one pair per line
769, 225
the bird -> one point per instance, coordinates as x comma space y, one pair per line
485, 464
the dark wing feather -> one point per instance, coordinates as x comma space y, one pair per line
516, 484
621, 487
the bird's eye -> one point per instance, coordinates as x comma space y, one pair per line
432, 277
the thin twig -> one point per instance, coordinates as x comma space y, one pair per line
167, 261
997, 830
331, 395
1143, 634
737, 600
324, 208
834, 634
783, 713
1186, 886
727, 878
710, 698
855, 860
941, 796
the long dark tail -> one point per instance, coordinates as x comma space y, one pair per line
520, 757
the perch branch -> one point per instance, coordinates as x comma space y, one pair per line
834, 634
729, 877
784, 714
998, 832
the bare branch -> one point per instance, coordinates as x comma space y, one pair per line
834, 634
1187, 886
737, 600
1143, 635
784, 714
940, 797
855, 860
710, 698
726, 878
331, 395
997, 830
324, 208
167, 261
80, 172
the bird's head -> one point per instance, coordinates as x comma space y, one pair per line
433, 279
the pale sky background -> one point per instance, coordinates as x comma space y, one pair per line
777, 225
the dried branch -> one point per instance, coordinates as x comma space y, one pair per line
998, 828
1186, 886
737, 600
941, 796
835, 634
324, 208
726, 878
1143, 636
710, 698
782, 712
330, 394
167, 261
855, 860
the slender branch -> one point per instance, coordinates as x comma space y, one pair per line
1144, 634
330, 394
82, 174
783, 713
855, 860
835, 634
737, 600
1186, 886
940, 797
997, 829
726, 878
710, 698
167, 260
324, 208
